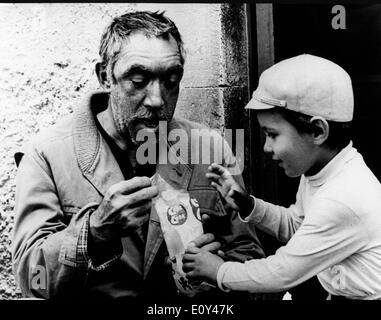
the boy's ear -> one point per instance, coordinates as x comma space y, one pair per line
100, 70
321, 132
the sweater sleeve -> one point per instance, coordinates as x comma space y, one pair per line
330, 233
277, 221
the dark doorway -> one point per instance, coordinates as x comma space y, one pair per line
308, 29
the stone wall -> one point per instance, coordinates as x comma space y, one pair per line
47, 56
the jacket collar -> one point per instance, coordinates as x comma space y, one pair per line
89, 146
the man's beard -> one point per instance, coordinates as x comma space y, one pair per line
128, 128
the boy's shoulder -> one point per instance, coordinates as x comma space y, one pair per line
353, 184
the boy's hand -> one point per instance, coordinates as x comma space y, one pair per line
207, 242
230, 190
199, 264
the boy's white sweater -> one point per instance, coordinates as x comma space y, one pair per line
333, 230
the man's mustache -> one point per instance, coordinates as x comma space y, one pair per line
150, 116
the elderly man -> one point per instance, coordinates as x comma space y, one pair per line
83, 223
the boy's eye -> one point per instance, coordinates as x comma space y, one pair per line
271, 135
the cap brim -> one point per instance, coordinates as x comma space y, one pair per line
254, 104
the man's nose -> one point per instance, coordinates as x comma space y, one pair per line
154, 98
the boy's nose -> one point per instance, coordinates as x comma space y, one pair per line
267, 147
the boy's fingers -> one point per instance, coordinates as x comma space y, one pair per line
216, 168
212, 176
215, 185
221, 254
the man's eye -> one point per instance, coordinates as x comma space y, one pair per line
172, 81
139, 81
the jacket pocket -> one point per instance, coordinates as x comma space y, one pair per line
68, 212
208, 199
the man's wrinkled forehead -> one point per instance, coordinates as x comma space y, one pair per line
155, 54
141, 46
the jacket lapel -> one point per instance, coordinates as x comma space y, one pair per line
178, 175
94, 157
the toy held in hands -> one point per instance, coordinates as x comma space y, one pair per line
181, 223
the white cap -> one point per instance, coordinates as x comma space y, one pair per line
307, 84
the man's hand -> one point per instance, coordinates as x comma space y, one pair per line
234, 195
206, 242
200, 264
124, 208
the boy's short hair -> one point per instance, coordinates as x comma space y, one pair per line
340, 133
306, 84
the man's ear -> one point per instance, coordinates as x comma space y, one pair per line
101, 71
321, 132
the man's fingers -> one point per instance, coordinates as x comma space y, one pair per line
203, 239
134, 218
188, 266
191, 249
212, 247
189, 254
205, 218
136, 198
132, 185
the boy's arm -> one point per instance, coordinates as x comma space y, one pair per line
323, 240
278, 221
242, 242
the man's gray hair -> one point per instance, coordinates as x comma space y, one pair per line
151, 24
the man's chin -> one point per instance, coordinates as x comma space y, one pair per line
143, 129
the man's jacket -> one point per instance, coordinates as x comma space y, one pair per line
63, 175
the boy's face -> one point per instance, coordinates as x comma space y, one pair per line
294, 151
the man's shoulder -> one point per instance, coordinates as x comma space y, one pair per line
53, 134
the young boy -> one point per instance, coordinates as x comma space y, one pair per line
305, 105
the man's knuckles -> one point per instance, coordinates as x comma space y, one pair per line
203, 239
128, 186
